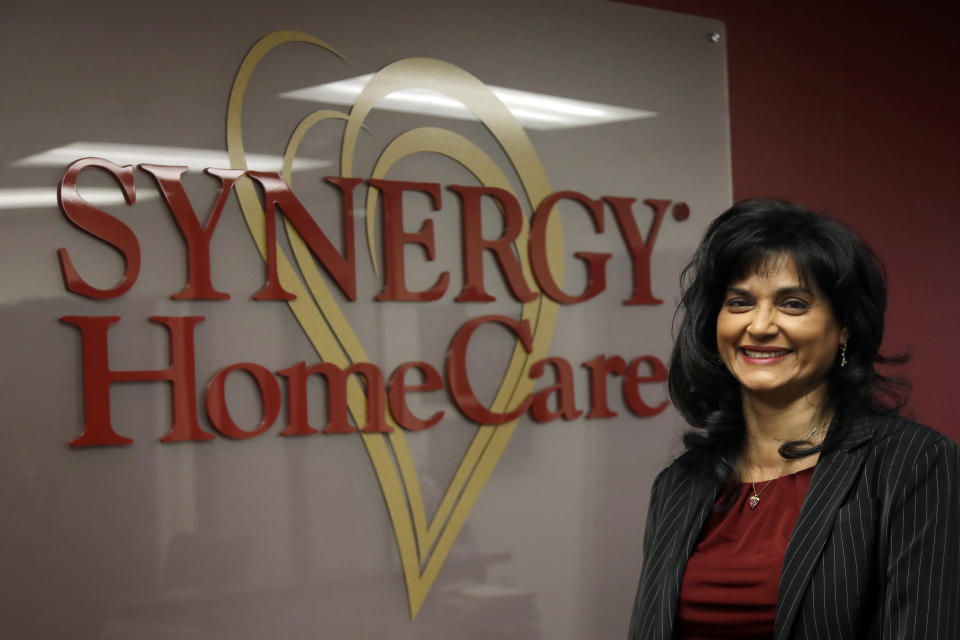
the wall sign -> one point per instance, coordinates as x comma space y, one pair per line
443, 257
528, 254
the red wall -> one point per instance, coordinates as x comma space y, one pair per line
853, 109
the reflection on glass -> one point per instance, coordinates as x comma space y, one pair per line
196, 160
533, 110
40, 197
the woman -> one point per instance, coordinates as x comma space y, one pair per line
803, 507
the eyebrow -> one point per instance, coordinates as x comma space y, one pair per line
785, 291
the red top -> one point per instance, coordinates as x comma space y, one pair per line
730, 586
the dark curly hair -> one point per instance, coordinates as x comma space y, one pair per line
751, 235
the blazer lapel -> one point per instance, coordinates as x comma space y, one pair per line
696, 506
835, 473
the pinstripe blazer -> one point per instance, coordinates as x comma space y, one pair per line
875, 553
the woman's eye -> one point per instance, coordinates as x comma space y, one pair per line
736, 304
795, 305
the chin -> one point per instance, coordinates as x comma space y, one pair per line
761, 384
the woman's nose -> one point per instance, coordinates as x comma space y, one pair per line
762, 321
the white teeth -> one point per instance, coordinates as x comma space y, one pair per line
765, 354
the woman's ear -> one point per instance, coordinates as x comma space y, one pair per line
844, 334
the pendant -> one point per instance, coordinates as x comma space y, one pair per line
754, 501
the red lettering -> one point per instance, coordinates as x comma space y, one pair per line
100, 224
216, 401
278, 196
639, 249
394, 239
596, 262
197, 237
336, 378
97, 378
474, 244
632, 382
566, 406
459, 382
398, 390
599, 368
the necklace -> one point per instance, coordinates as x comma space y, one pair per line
754, 500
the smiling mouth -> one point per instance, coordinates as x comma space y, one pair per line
764, 355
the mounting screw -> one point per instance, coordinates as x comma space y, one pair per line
714, 37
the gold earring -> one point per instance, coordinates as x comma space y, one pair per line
843, 354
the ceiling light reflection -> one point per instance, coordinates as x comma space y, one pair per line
195, 159
43, 197
532, 110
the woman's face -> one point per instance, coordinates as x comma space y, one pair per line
777, 335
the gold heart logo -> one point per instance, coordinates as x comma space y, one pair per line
423, 545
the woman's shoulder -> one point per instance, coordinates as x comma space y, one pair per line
690, 466
898, 436
900, 448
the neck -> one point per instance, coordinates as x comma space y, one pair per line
770, 423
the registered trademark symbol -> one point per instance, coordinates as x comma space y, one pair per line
681, 211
